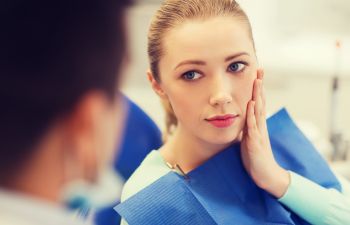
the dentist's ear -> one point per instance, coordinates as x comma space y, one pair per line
155, 85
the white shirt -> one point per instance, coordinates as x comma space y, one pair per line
19, 209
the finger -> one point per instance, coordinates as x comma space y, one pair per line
262, 122
260, 75
251, 121
259, 115
255, 90
245, 128
263, 91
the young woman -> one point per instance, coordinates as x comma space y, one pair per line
204, 68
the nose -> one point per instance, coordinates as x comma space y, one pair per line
221, 91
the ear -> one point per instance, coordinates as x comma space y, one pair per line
82, 126
155, 85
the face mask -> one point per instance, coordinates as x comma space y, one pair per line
84, 196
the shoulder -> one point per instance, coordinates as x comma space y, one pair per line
150, 170
7, 219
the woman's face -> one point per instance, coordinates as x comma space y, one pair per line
207, 73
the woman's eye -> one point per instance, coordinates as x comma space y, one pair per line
191, 75
236, 67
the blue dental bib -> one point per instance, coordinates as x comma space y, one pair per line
221, 192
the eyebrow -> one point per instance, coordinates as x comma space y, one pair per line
235, 56
199, 62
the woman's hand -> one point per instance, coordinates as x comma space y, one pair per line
256, 150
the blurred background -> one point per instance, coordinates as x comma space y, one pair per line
304, 47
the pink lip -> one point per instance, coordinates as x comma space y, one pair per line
222, 121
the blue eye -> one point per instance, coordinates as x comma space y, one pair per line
191, 75
236, 67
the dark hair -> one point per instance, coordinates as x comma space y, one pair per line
52, 52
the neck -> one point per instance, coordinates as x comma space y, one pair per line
41, 176
188, 151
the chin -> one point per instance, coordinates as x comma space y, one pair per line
224, 139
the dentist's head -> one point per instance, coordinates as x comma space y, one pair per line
60, 112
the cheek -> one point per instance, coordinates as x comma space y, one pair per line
245, 92
185, 102
182, 105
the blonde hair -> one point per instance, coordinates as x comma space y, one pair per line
173, 13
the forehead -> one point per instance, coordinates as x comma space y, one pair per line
214, 37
